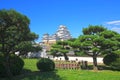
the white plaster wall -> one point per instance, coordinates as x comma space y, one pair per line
89, 59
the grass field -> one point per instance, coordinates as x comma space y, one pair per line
32, 73
30, 64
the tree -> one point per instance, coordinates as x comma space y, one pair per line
27, 46
111, 41
93, 30
75, 46
14, 29
90, 42
55, 50
111, 49
60, 48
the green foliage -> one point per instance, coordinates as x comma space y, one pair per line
108, 34
75, 44
72, 39
91, 42
80, 53
54, 52
112, 60
63, 51
98, 40
117, 37
2, 69
109, 58
16, 65
94, 50
62, 43
116, 64
56, 46
14, 29
28, 46
91, 30
60, 48
111, 43
45, 64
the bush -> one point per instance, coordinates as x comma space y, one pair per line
2, 69
45, 64
16, 65
112, 60
116, 64
108, 59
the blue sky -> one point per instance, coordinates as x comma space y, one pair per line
47, 15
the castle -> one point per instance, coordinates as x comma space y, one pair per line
61, 34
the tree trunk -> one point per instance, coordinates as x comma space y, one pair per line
95, 62
65, 56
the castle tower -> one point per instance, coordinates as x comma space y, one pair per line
63, 33
45, 38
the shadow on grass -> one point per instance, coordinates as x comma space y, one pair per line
103, 67
23, 72
37, 75
100, 67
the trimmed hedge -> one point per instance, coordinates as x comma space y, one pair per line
108, 59
45, 64
116, 64
16, 65
112, 60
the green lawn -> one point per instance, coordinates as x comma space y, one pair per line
31, 73
30, 64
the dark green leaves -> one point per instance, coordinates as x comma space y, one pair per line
14, 30
92, 30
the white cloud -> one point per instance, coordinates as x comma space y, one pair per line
113, 25
117, 29
117, 22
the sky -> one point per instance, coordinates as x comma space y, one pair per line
47, 15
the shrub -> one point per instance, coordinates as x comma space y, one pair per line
2, 69
112, 60
16, 65
116, 64
45, 64
108, 59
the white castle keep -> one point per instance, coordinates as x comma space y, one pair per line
61, 34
